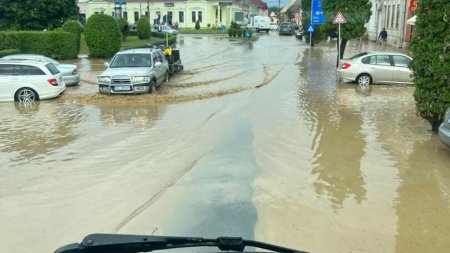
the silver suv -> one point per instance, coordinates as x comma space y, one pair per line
134, 71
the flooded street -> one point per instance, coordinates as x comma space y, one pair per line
253, 140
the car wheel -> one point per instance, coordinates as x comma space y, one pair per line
152, 89
26, 95
167, 77
364, 79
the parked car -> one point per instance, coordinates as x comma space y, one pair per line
444, 129
164, 29
299, 34
69, 72
295, 26
134, 71
376, 67
29, 81
286, 29
273, 26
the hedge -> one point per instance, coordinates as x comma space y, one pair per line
74, 27
6, 52
143, 28
59, 44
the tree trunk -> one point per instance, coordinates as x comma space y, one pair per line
435, 123
341, 47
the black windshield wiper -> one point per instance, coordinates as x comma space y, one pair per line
114, 243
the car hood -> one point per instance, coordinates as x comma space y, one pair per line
126, 71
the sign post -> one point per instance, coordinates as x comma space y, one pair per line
339, 19
317, 17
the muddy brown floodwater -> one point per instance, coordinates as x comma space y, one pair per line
254, 140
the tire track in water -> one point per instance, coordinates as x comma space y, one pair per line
193, 84
161, 98
155, 197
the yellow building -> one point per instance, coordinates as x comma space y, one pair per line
183, 12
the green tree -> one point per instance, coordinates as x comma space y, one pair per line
431, 65
357, 13
36, 15
123, 26
103, 36
143, 28
197, 25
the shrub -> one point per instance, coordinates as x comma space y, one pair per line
55, 44
230, 32
239, 32
123, 26
74, 27
431, 65
6, 52
197, 25
143, 28
103, 36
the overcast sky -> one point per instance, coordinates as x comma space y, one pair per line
275, 2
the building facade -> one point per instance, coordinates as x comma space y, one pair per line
183, 12
392, 15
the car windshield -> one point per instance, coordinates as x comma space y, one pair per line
131, 60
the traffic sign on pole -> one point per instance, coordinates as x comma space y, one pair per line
310, 28
339, 19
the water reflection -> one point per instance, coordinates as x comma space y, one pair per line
338, 143
140, 117
423, 207
35, 131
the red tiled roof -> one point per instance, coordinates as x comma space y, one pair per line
260, 4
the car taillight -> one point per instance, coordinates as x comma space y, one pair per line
75, 71
346, 65
53, 82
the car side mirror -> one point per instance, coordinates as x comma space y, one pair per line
106, 65
158, 64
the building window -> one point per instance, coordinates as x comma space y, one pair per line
136, 16
125, 15
388, 16
393, 16
181, 16
169, 17
158, 17
199, 16
193, 17
397, 24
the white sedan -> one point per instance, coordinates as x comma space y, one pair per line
29, 81
69, 72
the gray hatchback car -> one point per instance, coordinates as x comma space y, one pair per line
134, 71
376, 67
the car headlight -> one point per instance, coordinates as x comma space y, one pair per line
141, 79
104, 79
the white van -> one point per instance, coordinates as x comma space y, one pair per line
259, 23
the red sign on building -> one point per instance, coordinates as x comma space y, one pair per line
412, 5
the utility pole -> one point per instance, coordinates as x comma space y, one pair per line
148, 11
279, 10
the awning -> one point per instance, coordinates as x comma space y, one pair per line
412, 20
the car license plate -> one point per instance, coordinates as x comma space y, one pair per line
122, 88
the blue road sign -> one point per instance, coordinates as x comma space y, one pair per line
120, 3
310, 28
317, 14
